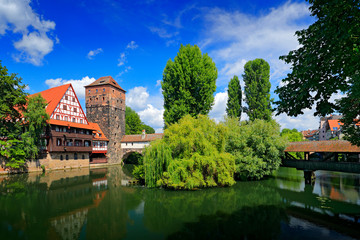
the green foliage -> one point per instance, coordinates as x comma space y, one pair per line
257, 89
191, 155
133, 124
139, 172
12, 102
293, 135
35, 125
13, 152
326, 63
256, 146
189, 83
233, 107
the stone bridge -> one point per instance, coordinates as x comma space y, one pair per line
137, 143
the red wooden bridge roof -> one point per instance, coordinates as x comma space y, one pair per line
323, 146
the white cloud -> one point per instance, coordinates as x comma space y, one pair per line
218, 110
122, 59
17, 16
153, 117
132, 45
93, 53
125, 71
78, 84
162, 32
232, 36
137, 98
158, 83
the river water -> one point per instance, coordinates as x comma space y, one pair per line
97, 204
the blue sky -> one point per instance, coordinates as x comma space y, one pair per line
49, 43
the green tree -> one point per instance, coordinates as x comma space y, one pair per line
12, 103
257, 89
189, 83
327, 62
190, 155
292, 135
36, 118
233, 107
256, 146
133, 124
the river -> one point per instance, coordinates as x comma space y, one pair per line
97, 204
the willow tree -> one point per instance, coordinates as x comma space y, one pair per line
233, 106
188, 84
257, 89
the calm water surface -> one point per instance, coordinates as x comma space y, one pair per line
96, 204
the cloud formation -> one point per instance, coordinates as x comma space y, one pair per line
93, 53
218, 110
17, 16
132, 45
78, 84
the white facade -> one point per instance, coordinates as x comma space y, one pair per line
69, 109
134, 144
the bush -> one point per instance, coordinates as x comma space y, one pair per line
256, 146
191, 155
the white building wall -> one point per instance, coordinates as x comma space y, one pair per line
135, 145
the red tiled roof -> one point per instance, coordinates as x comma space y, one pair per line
334, 123
309, 133
53, 96
139, 138
97, 130
104, 81
322, 146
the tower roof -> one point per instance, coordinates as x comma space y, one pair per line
108, 80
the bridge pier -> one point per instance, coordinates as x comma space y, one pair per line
309, 176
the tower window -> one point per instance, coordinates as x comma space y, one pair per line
103, 89
90, 99
96, 91
103, 99
89, 91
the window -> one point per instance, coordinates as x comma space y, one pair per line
100, 135
57, 129
103, 89
87, 143
90, 99
66, 97
64, 107
75, 109
335, 128
81, 121
67, 157
89, 91
57, 117
96, 91
61, 157
66, 118
83, 156
103, 99
58, 142
73, 99
73, 119
75, 156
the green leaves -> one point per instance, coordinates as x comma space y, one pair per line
233, 107
133, 124
257, 89
189, 83
256, 146
191, 155
326, 63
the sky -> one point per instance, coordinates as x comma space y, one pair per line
50, 43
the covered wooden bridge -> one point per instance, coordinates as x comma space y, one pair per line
340, 156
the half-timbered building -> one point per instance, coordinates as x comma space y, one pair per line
71, 136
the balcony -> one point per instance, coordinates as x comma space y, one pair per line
71, 135
53, 148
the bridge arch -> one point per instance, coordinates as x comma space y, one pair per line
132, 156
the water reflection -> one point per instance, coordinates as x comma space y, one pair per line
92, 204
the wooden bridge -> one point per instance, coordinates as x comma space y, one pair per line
323, 155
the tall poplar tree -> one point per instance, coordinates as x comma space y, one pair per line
189, 83
257, 89
233, 107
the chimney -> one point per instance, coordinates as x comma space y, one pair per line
143, 134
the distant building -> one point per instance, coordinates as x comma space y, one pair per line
310, 135
137, 143
330, 127
105, 105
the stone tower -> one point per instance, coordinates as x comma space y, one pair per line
105, 105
